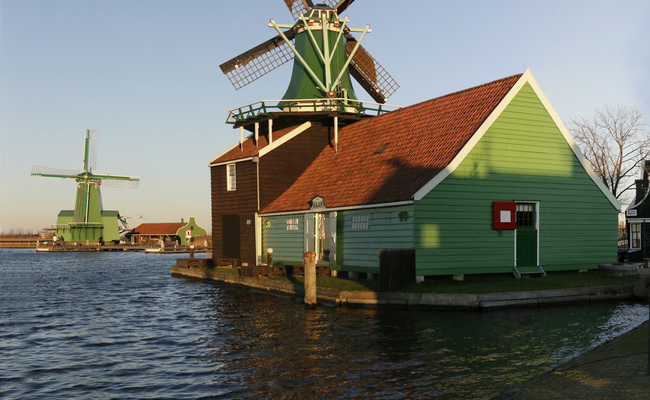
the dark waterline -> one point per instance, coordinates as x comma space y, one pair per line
118, 326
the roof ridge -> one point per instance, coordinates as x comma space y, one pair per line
458, 92
435, 99
427, 136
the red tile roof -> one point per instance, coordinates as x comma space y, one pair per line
159, 228
249, 149
390, 157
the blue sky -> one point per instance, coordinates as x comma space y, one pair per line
145, 74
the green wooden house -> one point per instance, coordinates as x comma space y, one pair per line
485, 180
637, 217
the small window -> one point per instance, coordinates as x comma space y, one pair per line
360, 222
231, 177
635, 236
292, 224
525, 215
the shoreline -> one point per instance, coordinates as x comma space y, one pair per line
449, 301
618, 368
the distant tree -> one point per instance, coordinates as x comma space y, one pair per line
614, 141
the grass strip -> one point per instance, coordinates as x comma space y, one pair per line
473, 285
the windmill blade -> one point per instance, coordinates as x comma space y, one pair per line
90, 150
54, 172
297, 7
258, 61
369, 73
122, 182
342, 5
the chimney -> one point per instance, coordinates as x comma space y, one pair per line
642, 184
182, 221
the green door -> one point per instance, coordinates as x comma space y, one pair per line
526, 235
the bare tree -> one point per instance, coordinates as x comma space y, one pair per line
614, 141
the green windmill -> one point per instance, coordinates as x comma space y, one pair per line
325, 55
88, 221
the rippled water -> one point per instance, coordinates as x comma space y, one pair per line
117, 325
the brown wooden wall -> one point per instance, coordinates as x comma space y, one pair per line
279, 169
242, 202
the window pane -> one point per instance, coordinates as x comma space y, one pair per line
360, 222
635, 236
231, 177
292, 224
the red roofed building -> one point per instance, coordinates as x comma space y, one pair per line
175, 231
485, 180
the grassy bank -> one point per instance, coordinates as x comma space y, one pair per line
485, 284
553, 280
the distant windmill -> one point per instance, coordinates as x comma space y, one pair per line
323, 59
89, 221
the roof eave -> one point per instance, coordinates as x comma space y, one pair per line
527, 77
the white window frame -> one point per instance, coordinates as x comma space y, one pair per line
632, 235
231, 178
360, 222
293, 224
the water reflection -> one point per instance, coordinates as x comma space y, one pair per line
285, 350
118, 326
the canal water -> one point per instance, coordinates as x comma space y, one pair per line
119, 326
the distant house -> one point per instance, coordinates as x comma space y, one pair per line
485, 180
637, 218
178, 232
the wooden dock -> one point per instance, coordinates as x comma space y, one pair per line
50, 247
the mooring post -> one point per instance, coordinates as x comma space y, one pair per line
310, 279
269, 257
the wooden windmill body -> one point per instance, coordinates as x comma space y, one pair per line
287, 134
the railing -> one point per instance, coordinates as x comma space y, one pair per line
340, 105
78, 225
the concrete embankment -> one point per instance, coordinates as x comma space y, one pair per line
536, 298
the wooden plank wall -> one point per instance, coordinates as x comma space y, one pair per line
522, 157
288, 246
242, 202
388, 228
278, 170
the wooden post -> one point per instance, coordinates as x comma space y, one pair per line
310, 279
269, 257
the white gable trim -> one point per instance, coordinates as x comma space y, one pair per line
572, 143
527, 77
232, 161
212, 162
279, 142
266, 149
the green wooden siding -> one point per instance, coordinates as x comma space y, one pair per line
522, 157
194, 228
288, 246
388, 228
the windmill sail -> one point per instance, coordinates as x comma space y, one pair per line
269, 55
371, 75
128, 182
54, 172
258, 61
